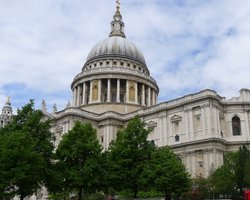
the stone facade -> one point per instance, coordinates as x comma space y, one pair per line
199, 127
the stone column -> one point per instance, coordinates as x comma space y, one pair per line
108, 91
84, 93
74, 96
136, 92
99, 89
127, 92
78, 95
118, 91
90, 91
149, 97
143, 95
153, 97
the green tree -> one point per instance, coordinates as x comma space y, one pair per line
79, 155
128, 155
233, 177
25, 152
243, 156
247, 173
222, 180
167, 174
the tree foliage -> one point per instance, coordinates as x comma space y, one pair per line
128, 155
25, 152
241, 167
222, 180
79, 156
233, 177
166, 173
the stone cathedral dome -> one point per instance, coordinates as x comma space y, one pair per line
116, 46
115, 76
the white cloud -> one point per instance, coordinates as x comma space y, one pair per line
188, 45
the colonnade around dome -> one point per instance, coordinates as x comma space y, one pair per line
114, 90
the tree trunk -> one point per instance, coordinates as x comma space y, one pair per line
80, 194
21, 197
135, 192
167, 196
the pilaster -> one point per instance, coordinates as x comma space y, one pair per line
191, 127
203, 120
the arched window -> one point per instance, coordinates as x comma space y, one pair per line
177, 138
236, 125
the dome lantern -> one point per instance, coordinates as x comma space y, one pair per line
117, 25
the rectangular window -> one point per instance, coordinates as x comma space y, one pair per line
122, 98
113, 97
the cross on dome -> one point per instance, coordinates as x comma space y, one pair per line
118, 4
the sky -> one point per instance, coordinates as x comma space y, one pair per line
189, 45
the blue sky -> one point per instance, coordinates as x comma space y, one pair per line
189, 45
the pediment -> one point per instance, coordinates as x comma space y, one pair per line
176, 118
152, 124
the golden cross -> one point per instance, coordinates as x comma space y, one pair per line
118, 3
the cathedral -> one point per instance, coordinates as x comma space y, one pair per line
6, 114
114, 85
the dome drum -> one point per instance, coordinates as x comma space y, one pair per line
114, 74
114, 91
